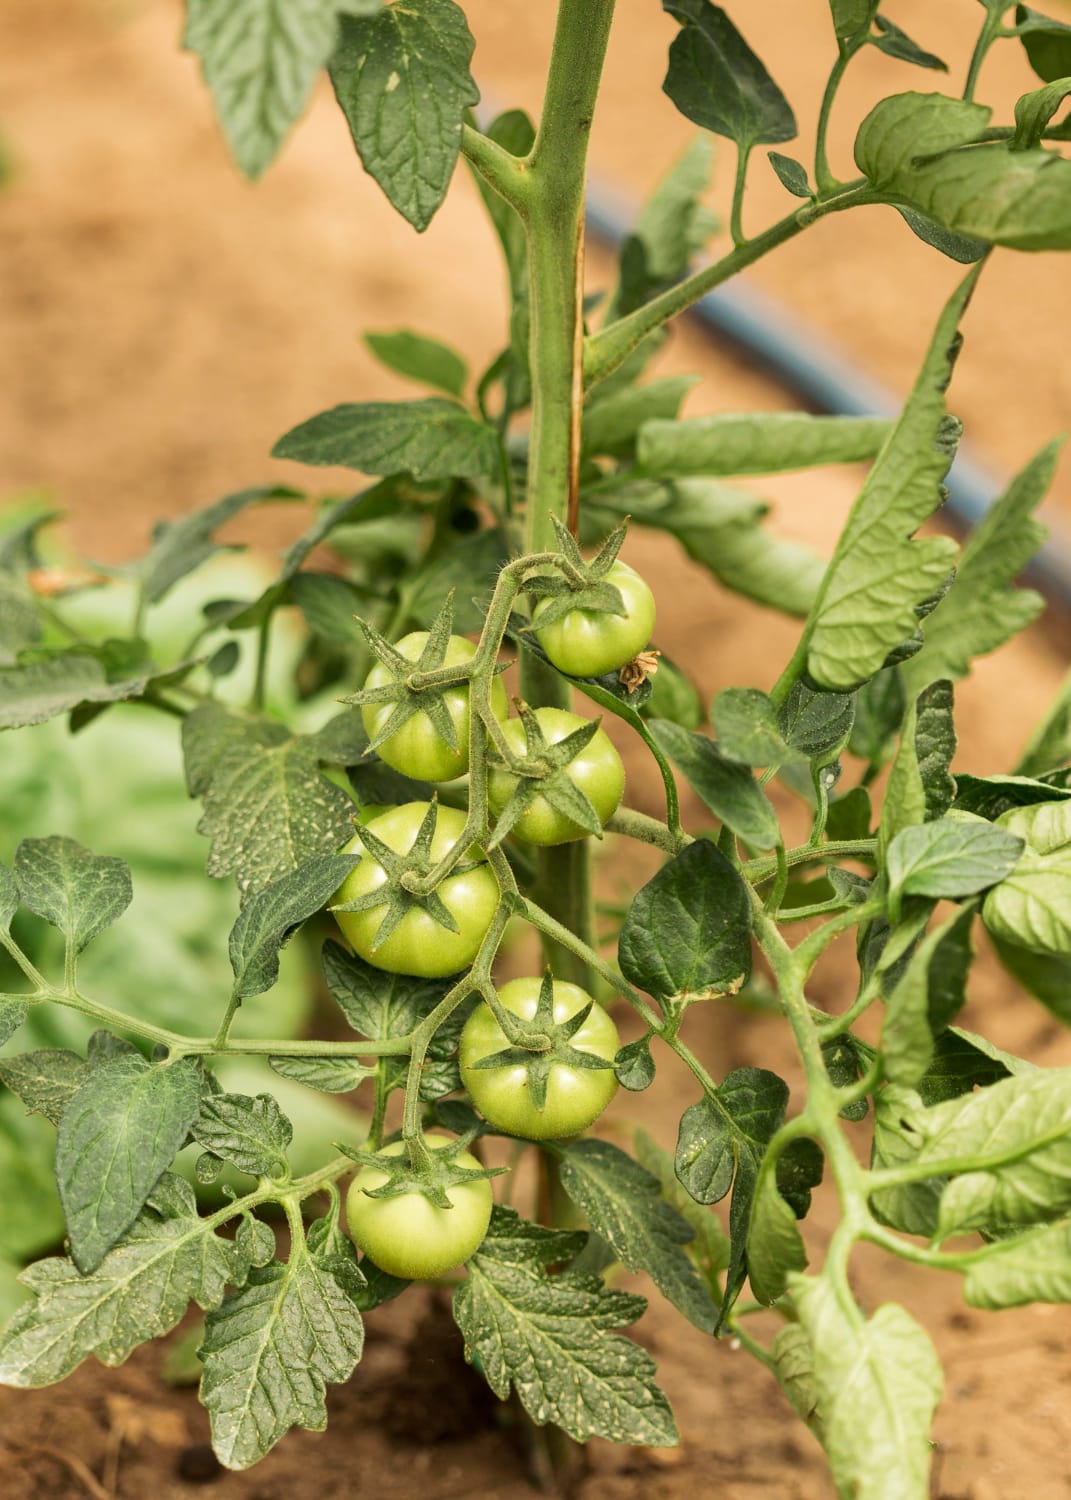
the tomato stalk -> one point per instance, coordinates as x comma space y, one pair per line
556, 181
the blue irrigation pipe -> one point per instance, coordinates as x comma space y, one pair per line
772, 339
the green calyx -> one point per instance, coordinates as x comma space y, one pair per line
406, 873
543, 772
551, 1044
578, 584
406, 690
418, 1170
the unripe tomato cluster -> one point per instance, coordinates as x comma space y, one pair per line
405, 1233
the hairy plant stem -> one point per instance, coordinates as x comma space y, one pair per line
606, 350
991, 29
554, 219
556, 171
823, 1106
824, 178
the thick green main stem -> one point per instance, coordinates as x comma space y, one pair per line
555, 183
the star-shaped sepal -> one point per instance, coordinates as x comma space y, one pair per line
407, 699
580, 584
422, 1171
558, 1049
544, 772
404, 871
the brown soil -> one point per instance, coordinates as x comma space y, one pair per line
164, 323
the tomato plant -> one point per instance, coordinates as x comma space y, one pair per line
541, 1095
829, 806
408, 1234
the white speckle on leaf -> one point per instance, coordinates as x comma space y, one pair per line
392, 83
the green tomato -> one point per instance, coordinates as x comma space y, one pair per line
417, 748
419, 944
597, 771
576, 1096
590, 642
408, 1235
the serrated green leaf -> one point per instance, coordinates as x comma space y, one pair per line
259, 59
845, 1065
896, 43
794, 1367
720, 528
878, 1382
430, 439
926, 999
726, 787
983, 610
20, 620
270, 918
949, 858
1047, 976
9, 898
1034, 111
962, 1062
852, 18
401, 77
816, 725
550, 1338
756, 443
745, 721
420, 358
716, 80
12, 1015
267, 807
1010, 1148
990, 796
613, 423
921, 788
46, 1080
1032, 905
183, 545
377, 1005
1045, 827
470, 566
774, 1245
622, 1204
911, 1207
1033, 1267
1047, 43
791, 174
252, 1134
329, 605
271, 1349
879, 712
78, 892
688, 930
119, 1131
331, 1075
709, 1248
721, 1144
911, 148
139, 1291
40, 687
958, 247
879, 575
